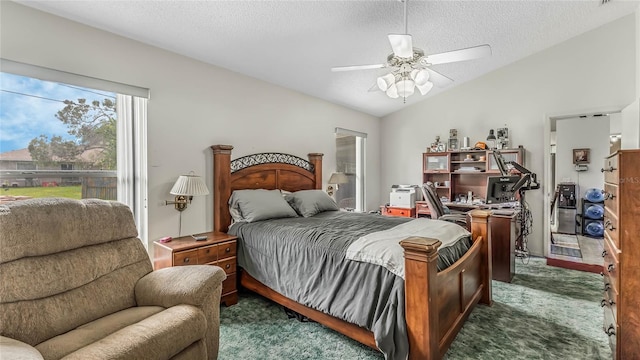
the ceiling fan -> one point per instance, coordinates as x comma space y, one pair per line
410, 67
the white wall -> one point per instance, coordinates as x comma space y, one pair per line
594, 70
593, 135
631, 126
193, 105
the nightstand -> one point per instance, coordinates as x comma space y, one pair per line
219, 249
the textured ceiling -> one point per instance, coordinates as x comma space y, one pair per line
295, 43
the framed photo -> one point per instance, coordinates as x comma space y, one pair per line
581, 156
453, 144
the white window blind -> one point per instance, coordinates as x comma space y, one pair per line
64, 77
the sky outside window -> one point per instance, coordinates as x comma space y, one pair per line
28, 107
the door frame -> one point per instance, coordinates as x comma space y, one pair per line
548, 193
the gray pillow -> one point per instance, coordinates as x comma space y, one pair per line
310, 202
256, 205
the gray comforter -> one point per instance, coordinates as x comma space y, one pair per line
304, 260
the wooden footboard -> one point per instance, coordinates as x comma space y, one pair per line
436, 303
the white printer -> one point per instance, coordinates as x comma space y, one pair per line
404, 196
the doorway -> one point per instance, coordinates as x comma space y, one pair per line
575, 146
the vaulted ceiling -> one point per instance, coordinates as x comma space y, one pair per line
294, 44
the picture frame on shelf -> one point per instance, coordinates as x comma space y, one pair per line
581, 156
453, 144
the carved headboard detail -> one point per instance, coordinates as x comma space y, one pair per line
258, 171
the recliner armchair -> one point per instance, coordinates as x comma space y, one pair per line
77, 283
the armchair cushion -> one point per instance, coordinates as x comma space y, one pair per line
17, 350
160, 336
179, 285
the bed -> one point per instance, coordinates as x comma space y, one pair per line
436, 303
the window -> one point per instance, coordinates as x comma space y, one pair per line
65, 135
350, 159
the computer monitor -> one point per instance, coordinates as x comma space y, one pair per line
500, 189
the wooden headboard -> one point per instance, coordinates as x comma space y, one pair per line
258, 171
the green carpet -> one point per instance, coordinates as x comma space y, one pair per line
545, 313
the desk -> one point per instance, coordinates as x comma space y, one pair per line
461, 206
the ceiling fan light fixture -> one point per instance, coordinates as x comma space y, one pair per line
421, 77
384, 82
405, 87
424, 89
392, 91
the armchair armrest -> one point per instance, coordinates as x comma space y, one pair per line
172, 286
11, 349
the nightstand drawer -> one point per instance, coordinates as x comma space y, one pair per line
208, 254
185, 258
228, 265
229, 285
226, 250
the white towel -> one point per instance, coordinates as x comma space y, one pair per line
383, 247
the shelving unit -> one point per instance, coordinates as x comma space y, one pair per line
447, 169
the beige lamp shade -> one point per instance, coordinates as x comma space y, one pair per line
189, 185
338, 178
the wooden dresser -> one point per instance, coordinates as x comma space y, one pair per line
621, 299
219, 249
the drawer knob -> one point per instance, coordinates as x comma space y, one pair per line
601, 273
604, 253
228, 266
609, 196
611, 302
607, 287
208, 250
610, 267
227, 249
610, 169
603, 303
186, 260
611, 330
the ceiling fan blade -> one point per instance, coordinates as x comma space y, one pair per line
402, 45
438, 79
459, 55
358, 67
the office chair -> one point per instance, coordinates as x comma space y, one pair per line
437, 209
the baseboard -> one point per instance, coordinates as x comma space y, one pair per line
574, 265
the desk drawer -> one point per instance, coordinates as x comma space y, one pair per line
406, 212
